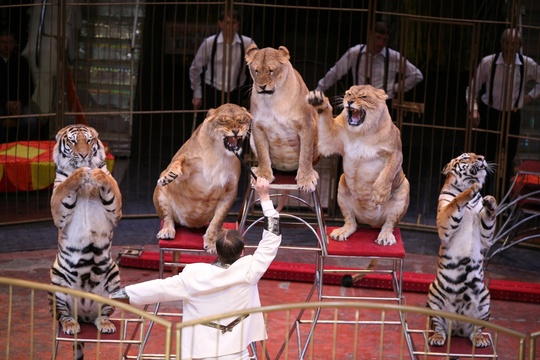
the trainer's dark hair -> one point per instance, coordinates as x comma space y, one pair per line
7, 31
235, 15
381, 28
229, 246
511, 36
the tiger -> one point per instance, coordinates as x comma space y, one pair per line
466, 223
86, 205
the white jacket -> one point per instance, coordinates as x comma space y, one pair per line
209, 290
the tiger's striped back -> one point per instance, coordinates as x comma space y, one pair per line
86, 205
466, 224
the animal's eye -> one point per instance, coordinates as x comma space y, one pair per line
364, 97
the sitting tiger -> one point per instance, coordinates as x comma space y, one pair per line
466, 224
86, 205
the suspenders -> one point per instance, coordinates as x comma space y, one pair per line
213, 57
493, 66
385, 82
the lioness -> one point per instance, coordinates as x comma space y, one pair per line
200, 184
284, 131
373, 189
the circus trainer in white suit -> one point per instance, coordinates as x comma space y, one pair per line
228, 284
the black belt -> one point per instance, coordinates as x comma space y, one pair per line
226, 328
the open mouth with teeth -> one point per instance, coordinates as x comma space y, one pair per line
233, 143
356, 117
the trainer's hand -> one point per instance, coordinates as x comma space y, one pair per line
197, 102
262, 187
476, 118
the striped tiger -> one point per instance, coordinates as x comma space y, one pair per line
86, 205
466, 224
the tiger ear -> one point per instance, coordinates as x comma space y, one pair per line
96, 134
250, 53
449, 167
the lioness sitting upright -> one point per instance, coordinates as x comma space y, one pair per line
200, 184
284, 130
373, 189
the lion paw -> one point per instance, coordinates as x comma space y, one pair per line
210, 247
342, 233
105, 325
437, 339
317, 99
70, 326
490, 204
381, 193
480, 341
307, 182
209, 240
267, 174
386, 238
166, 233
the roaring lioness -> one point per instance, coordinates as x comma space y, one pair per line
284, 131
200, 184
373, 189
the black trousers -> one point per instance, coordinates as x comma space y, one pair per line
487, 143
213, 98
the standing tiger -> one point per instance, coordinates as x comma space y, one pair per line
86, 205
466, 224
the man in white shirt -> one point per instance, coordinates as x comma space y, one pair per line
221, 58
228, 284
375, 64
503, 76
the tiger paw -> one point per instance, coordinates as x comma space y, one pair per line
99, 179
70, 326
81, 175
475, 189
168, 178
437, 339
105, 325
490, 204
480, 341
